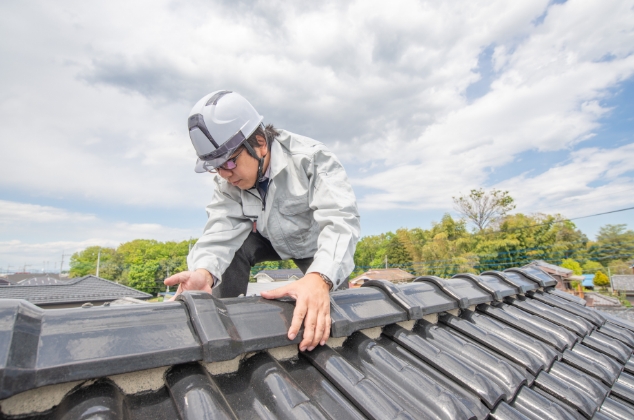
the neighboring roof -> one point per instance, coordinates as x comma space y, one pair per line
552, 269
623, 282
599, 300
588, 280
389, 274
4, 281
282, 274
254, 289
17, 277
503, 345
40, 281
81, 289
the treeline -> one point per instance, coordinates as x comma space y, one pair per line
445, 249
448, 247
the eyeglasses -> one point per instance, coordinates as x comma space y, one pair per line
228, 165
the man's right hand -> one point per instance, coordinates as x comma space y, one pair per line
190, 280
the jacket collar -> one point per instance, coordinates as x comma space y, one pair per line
278, 162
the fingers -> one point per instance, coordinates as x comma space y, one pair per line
326, 335
298, 317
278, 293
176, 278
310, 325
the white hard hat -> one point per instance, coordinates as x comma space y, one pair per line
218, 124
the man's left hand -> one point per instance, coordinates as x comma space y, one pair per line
312, 307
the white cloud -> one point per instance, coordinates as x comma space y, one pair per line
94, 97
35, 226
566, 188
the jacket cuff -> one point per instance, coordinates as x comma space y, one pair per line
329, 269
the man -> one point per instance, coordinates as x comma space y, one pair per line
277, 196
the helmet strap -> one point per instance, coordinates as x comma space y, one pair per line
258, 158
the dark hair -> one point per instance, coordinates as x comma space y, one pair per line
269, 133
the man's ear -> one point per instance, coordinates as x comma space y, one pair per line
262, 145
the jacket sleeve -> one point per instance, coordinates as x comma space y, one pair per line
226, 230
335, 210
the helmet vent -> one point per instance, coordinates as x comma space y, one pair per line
197, 121
214, 99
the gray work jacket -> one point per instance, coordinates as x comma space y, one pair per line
310, 211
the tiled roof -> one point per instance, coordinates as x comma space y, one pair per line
390, 274
505, 346
81, 289
623, 282
254, 289
283, 274
40, 281
551, 268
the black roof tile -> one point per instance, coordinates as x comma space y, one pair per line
535, 274
621, 334
493, 285
521, 282
417, 299
580, 311
361, 308
617, 409
555, 315
510, 361
464, 291
535, 406
532, 325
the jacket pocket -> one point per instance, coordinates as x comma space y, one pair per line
298, 226
291, 206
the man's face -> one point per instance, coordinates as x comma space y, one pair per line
245, 173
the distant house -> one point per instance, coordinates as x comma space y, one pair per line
71, 293
16, 278
395, 275
588, 281
40, 281
269, 276
623, 283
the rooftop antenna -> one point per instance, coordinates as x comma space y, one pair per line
98, 260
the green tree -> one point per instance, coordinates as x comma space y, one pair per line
591, 267
84, 262
573, 265
614, 242
143, 277
397, 254
619, 267
600, 279
482, 207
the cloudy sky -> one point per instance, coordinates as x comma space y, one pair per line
420, 100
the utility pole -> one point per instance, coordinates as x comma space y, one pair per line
386, 261
610, 278
98, 260
61, 266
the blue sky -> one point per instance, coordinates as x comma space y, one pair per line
421, 102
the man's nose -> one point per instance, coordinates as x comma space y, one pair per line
224, 173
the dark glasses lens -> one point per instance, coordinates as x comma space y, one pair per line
228, 165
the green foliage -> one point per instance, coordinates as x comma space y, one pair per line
619, 267
482, 207
591, 267
141, 263
613, 243
573, 265
601, 280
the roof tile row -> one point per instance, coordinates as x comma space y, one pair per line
517, 350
